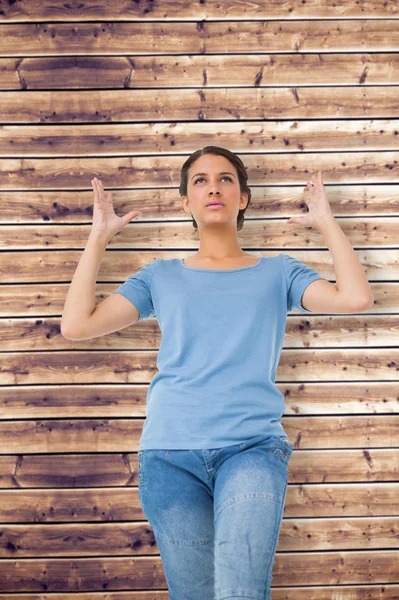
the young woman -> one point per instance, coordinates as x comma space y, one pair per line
213, 455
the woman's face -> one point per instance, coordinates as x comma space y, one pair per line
213, 177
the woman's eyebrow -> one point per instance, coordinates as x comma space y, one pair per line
221, 173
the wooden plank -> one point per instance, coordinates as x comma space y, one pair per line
73, 470
136, 539
193, 104
193, 38
73, 367
113, 435
361, 231
116, 266
307, 331
169, 139
124, 10
20, 300
138, 573
341, 592
155, 171
259, 70
110, 504
308, 400
338, 592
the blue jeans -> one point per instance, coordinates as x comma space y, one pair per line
216, 516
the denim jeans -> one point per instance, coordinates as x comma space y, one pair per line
216, 516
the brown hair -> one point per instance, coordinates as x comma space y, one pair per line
241, 172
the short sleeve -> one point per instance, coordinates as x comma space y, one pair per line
298, 277
137, 289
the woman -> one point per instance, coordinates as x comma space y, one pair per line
213, 455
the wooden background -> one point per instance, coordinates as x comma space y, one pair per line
126, 91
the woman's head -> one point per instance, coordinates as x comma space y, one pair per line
223, 176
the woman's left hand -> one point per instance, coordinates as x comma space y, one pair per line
316, 199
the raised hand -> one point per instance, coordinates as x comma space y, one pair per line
316, 199
105, 222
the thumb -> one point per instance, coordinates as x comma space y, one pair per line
299, 220
127, 218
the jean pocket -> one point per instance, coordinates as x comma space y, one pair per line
283, 450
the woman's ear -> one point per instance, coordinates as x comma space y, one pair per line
245, 195
185, 208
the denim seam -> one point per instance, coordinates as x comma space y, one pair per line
283, 454
182, 542
283, 457
140, 468
276, 536
245, 497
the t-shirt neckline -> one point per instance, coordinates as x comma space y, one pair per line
221, 270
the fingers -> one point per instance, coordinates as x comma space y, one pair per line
316, 178
97, 187
97, 183
93, 183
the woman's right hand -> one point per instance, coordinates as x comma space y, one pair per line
105, 222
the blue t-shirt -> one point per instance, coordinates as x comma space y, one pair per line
222, 335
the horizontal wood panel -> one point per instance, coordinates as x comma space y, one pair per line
59, 266
376, 232
341, 592
123, 504
61, 207
191, 104
44, 300
155, 171
135, 539
35, 10
137, 573
220, 70
114, 435
164, 139
363, 592
345, 364
195, 37
307, 331
129, 400
49, 470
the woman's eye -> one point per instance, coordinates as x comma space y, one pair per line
201, 178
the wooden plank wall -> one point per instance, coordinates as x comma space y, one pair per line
125, 91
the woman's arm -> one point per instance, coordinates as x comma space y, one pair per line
351, 280
352, 291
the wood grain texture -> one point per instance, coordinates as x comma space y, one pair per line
36, 10
126, 91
